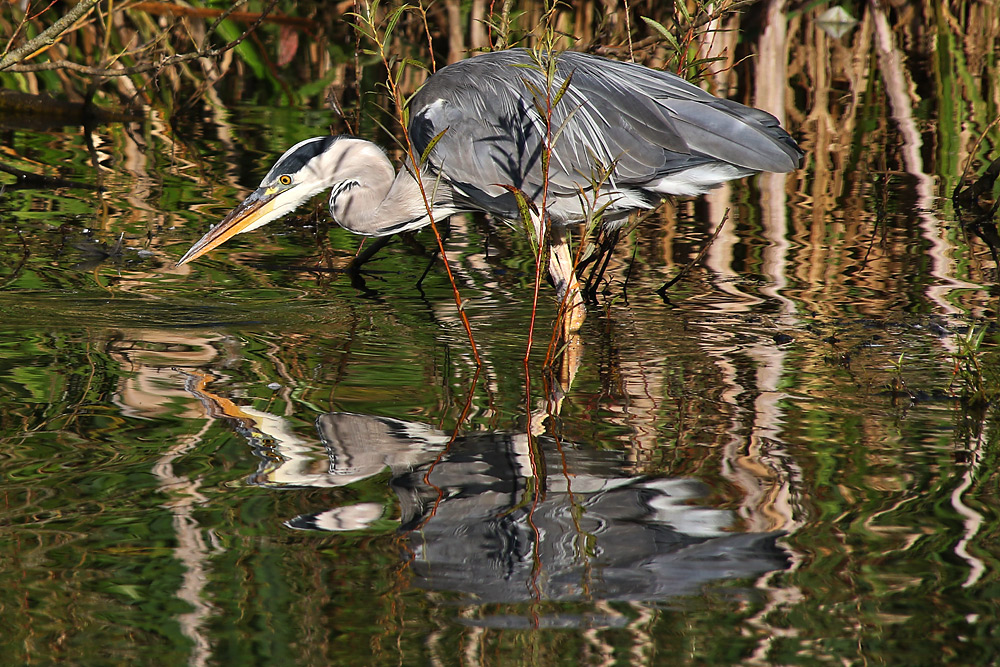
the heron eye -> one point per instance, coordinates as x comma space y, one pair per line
285, 179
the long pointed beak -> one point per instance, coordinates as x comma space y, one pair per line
240, 219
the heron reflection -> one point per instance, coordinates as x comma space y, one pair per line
473, 524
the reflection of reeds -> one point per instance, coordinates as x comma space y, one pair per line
855, 155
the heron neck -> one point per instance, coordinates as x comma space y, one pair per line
376, 204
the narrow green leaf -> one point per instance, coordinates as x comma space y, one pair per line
245, 49
562, 89
664, 33
392, 21
412, 62
683, 11
361, 23
532, 88
524, 210
430, 146
563, 125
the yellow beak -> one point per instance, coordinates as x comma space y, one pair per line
240, 219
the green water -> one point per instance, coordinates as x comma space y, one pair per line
248, 460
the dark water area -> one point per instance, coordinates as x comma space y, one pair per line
249, 459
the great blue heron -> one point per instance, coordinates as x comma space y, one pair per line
621, 137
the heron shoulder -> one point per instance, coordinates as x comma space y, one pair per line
620, 127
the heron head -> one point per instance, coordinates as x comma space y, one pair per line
306, 169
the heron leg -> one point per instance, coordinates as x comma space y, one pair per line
564, 278
445, 233
367, 253
607, 245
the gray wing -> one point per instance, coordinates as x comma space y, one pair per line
646, 123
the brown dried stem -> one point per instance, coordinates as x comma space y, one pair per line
48, 36
8, 63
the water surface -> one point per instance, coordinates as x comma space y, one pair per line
250, 459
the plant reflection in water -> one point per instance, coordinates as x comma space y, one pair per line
504, 518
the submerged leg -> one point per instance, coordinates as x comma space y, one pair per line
607, 248
445, 233
354, 267
367, 252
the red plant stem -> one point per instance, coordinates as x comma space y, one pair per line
398, 97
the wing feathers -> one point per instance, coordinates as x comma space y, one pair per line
648, 124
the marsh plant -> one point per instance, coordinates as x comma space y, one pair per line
976, 378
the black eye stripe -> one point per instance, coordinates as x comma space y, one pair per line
293, 161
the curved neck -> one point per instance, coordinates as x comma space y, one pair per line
369, 198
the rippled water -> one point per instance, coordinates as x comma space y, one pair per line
250, 460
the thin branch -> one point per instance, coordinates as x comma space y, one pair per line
365, 24
48, 36
25, 18
670, 283
646, 42
160, 8
141, 68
